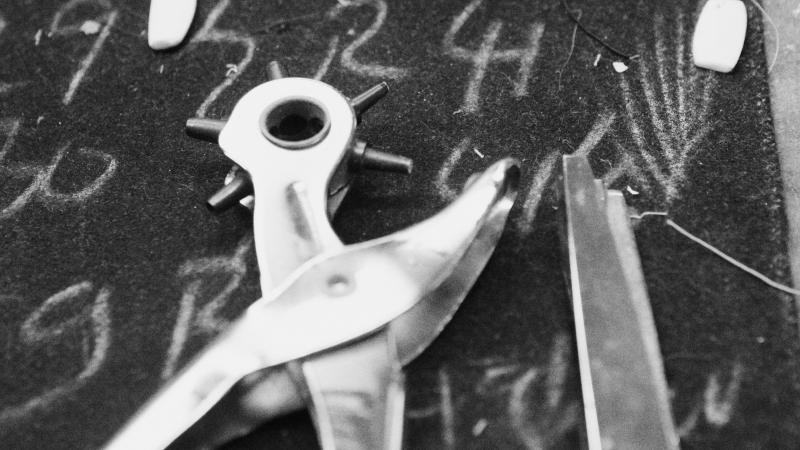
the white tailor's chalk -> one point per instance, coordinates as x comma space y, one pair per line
719, 35
169, 22
619, 66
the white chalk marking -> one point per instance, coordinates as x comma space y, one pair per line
208, 33
541, 179
478, 152
709, 83
596, 60
557, 370
37, 38
679, 126
442, 182
181, 330
56, 28
326, 63
667, 88
486, 54
34, 332
40, 188
690, 423
717, 404
680, 49
599, 129
375, 70
206, 321
422, 413
544, 171
663, 134
51, 197
87, 62
10, 128
638, 138
480, 64
3, 24
527, 58
479, 427
447, 410
495, 378
540, 428
6, 88
519, 410
626, 165
450, 37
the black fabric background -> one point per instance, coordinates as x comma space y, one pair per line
507, 354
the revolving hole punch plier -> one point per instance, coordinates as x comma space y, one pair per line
336, 322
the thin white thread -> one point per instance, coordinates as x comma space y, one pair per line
648, 213
571, 51
777, 35
763, 278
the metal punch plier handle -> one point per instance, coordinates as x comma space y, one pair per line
336, 323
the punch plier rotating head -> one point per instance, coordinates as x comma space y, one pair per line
336, 322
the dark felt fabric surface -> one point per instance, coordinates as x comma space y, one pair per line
730, 344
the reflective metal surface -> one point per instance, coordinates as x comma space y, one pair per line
335, 322
622, 377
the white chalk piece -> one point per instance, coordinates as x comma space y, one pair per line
719, 35
619, 66
169, 22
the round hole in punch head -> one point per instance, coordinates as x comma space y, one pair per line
339, 285
295, 123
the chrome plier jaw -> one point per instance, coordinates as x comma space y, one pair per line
335, 323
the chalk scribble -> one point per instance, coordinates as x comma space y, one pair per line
108, 17
41, 176
348, 59
210, 33
717, 403
205, 321
669, 126
486, 53
41, 330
